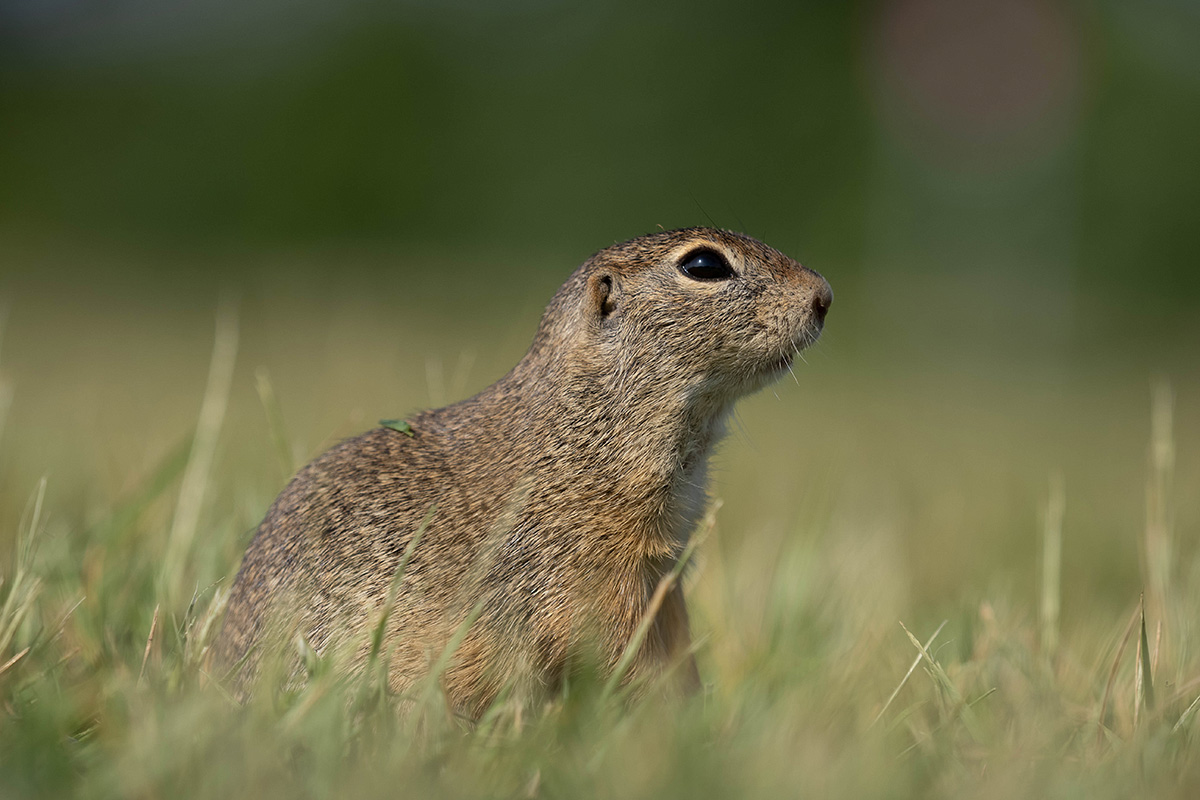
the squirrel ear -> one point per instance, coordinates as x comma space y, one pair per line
602, 293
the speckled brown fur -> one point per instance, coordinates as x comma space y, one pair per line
563, 492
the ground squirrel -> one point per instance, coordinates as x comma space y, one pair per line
560, 495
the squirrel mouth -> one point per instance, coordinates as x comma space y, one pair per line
808, 336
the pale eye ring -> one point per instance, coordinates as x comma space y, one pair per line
706, 264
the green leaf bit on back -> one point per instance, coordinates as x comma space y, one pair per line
397, 425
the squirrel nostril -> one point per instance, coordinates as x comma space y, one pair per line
821, 302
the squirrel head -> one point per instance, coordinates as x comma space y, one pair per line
708, 314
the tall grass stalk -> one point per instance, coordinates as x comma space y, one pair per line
1052, 529
1143, 681
912, 668
274, 413
6, 389
1158, 532
23, 586
665, 585
204, 446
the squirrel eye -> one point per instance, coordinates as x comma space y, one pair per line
706, 265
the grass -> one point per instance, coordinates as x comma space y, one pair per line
944, 588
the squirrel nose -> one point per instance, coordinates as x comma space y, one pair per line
822, 300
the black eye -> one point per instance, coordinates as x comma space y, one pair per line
706, 265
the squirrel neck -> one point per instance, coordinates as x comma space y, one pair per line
615, 439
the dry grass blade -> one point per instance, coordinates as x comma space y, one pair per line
1137, 682
1158, 629
6, 391
6, 397
199, 641
912, 668
1052, 566
17, 605
274, 412
1145, 679
1186, 716
1158, 535
433, 680
149, 644
665, 584
1112, 675
309, 657
313, 693
62, 622
204, 445
24, 587
393, 590
943, 681
4, 667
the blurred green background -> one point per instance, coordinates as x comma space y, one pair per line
1004, 197
1032, 136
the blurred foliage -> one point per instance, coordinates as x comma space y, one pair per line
449, 124
545, 127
